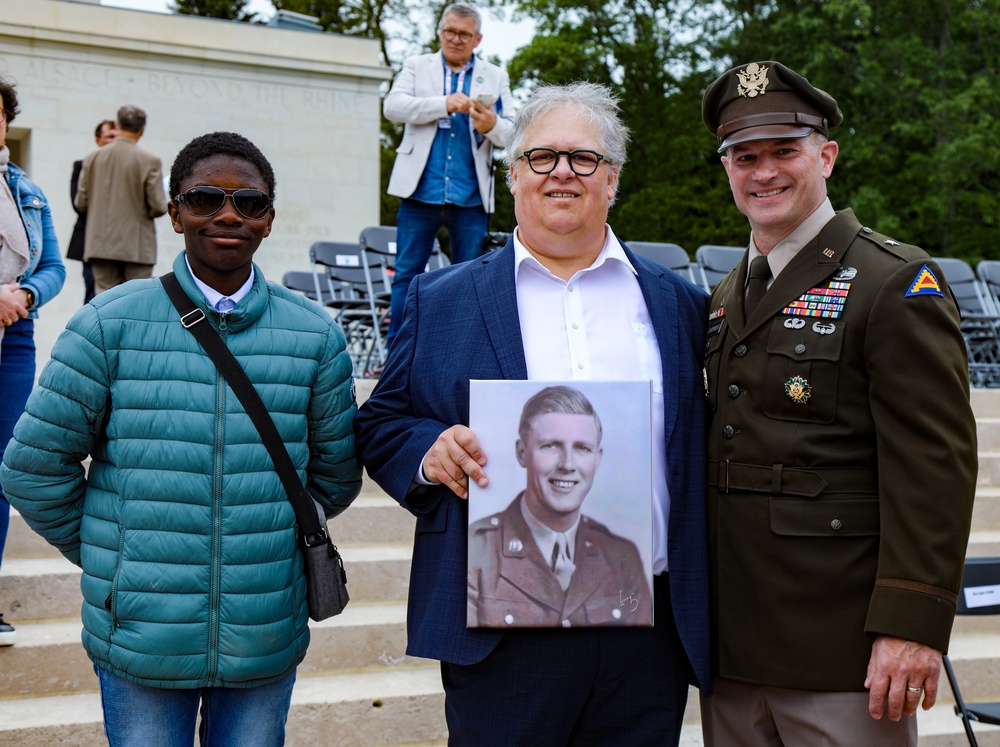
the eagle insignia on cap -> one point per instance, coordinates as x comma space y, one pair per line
753, 81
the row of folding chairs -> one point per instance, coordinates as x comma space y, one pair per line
978, 295
712, 262
354, 281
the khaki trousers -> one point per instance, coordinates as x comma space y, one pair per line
738, 714
111, 272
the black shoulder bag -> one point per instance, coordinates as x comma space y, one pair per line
325, 574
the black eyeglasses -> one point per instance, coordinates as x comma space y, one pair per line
452, 35
205, 202
545, 160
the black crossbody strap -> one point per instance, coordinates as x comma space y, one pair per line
195, 322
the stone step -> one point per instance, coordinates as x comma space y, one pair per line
983, 544
49, 657
356, 709
989, 469
988, 432
940, 727
49, 588
985, 403
986, 509
975, 658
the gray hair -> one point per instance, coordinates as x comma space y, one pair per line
562, 399
462, 10
592, 101
131, 119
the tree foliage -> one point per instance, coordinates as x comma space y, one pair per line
227, 10
650, 53
917, 80
918, 83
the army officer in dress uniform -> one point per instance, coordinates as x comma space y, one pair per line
540, 562
842, 447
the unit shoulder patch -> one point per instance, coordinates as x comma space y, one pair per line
924, 284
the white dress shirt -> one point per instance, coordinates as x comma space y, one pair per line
596, 326
786, 249
213, 296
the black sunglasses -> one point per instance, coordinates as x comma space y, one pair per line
204, 202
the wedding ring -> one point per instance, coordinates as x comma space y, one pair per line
914, 689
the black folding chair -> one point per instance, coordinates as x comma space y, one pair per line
980, 595
301, 281
338, 269
378, 257
715, 262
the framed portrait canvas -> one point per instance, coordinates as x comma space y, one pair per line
562, 536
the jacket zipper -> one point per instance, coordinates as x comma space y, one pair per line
112, 601
215, 588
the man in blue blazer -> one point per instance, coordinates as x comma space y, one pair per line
456, 109
563, 300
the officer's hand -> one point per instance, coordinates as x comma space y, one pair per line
896, 669
455, 457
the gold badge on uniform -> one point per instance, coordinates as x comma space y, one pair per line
798, 390
753, 81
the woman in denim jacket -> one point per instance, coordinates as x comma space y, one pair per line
31, 274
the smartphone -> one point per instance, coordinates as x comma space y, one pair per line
486, 99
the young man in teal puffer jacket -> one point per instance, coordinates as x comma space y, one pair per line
193, 581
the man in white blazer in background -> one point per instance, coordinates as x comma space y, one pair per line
456, 109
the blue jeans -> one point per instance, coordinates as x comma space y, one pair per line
17, 371
140, 716
417, 224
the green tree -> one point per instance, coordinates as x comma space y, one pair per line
228, 10
386, 20
650, 53
919, 84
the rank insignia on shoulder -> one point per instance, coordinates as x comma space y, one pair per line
924, 284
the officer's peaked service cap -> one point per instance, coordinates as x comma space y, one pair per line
765, 100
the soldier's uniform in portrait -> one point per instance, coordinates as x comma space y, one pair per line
511, 584
842, 460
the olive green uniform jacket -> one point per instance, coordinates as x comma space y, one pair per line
511, 585
842, 462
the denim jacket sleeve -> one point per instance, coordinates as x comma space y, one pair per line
46, 273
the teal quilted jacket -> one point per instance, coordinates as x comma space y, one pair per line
191, 572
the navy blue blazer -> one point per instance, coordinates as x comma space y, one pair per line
460, 324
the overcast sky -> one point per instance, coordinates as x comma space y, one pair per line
500, 37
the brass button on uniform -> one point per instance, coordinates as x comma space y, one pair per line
800, 348
728, 432
836, 525
740, 350
733, 391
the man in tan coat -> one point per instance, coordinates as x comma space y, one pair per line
842, 447
121, 189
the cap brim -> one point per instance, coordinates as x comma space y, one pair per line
764, 132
